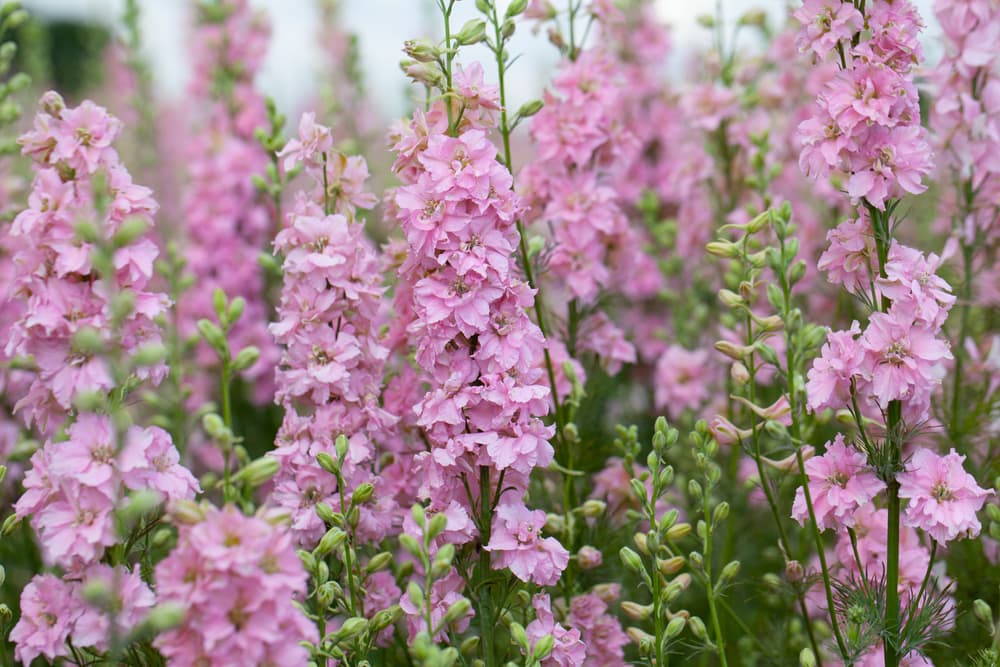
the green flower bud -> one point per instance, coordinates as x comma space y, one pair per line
630, 559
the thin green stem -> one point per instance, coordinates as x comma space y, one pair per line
484, 594
712, 611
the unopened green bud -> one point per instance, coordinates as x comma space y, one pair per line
519, 636
630, 559
97, 593
415, 595
362, 494
164, 616
129, 231
352, 627
457, 611
513, 9
421, 50
246, 358
471, 33
88, 341
723, 249
678, 531
379, 562
543, 647
529, 108
327, 463
982, 611
697, 628
341, 445
675, 626
807, 658
593, 508
721, 512
730, 571
331, 540
258, 472
437, 525
212, 334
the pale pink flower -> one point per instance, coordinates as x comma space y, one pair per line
825, 23
683, 379
834, 372
49, 608
840, 482
516, 543
903, 358
943, 497
568, 651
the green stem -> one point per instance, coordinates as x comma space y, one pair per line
712, 611
227, 418
963, 331
484, 593
353, 599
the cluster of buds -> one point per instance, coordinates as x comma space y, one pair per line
657, 558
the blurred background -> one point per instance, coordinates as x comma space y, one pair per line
78, 30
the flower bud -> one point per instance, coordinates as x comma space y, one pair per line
258, 472
793, 571
678, 531
630, 559
982, 611
246, 358
697, 628
164, 616
457, 611
471, 33
723, 249
636, 611
379, 562
186, 511
588, 557
527, 110
421, 50
675, 626
730, 571
331, 540
363, 494
352, 627
543, 647
670, 566
593, 508
739, 373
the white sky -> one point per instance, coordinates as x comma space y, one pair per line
289, 72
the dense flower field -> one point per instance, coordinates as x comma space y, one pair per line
691, 369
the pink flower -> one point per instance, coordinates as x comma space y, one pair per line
238, 577
601, 632
850, 259
568, 651
893, 160
131, 600
825, 23
911, 282
49, 609
840, 482
683, 379
943, 497
834, 372
517, 544
904, 359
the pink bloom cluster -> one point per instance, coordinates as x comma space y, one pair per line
867, 121
221, 206
569, 650
330, 374
74, 486
583, 150
78, 179
464, 305
238, 577
54, 610
899, 355
600, 630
